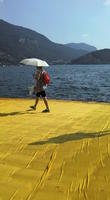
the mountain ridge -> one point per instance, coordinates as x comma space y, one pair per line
98, 57
17, 42
82, 46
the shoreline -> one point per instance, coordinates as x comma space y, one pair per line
61, 100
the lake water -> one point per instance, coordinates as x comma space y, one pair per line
68, 82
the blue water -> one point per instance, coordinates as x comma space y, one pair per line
68, 82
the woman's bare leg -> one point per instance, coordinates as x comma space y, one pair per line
36, 102
46, 103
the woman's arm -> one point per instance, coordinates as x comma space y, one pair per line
37, 77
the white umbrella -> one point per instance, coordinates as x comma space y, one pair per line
34, 62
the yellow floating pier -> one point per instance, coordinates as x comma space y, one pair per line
61, 155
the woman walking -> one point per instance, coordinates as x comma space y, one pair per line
40, 89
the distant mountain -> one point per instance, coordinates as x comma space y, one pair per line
82, 46
98, 57
17, 43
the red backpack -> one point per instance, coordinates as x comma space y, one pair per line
46, 78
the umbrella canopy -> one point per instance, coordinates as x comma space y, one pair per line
34, 62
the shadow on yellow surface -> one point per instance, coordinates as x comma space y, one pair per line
72, 136
17, 113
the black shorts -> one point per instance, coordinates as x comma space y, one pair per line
42, 93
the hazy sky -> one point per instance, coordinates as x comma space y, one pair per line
62, 21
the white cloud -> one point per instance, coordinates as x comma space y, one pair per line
107, 2
85, 35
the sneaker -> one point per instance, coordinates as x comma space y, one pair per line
33, 107
46, 110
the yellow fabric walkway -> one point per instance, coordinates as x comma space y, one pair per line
61, 155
